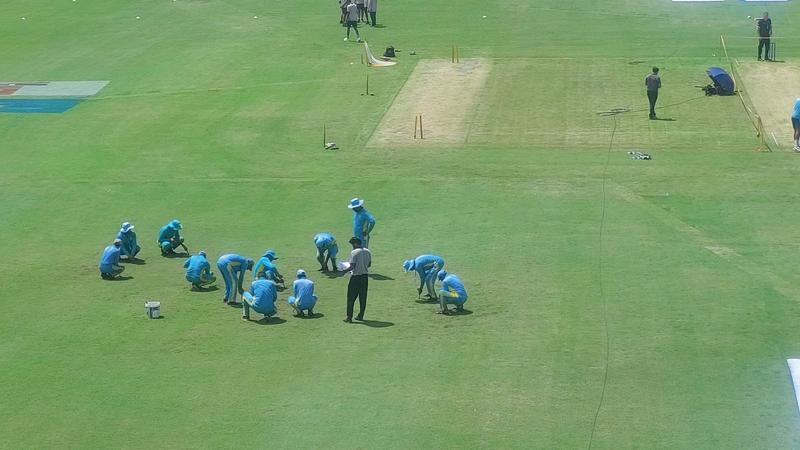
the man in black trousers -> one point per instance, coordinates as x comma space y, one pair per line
653, 83
360, 261
764, 27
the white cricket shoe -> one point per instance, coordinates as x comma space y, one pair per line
345, 39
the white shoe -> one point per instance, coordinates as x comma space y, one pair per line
345, 39
797, 149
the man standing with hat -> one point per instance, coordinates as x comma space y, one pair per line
360, 261
363, 221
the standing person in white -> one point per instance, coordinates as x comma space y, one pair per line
352, 20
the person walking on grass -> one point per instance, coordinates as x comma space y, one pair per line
261, 298
764, 28
360, 261
372, 10
653, 84
796, 124
351, 16
303, 298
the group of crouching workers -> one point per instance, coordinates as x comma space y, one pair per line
267, 279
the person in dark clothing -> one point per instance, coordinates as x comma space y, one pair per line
764, 27
653, 83
360, 261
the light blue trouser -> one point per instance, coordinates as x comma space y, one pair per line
430, 281
248, 303
302, 306
233, 283
129, 251
323, 256
202, 280
447, 297
115, 270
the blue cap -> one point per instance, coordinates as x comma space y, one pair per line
270, 254
356, 203
441, 275
408, 265
126, 226
201, 253
176, 224
301, 273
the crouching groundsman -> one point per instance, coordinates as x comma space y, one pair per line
327, 249
198, 271
232, 267
303, 298
453, 292
261, 298
109, 261
426, 266
169, 237
129, 247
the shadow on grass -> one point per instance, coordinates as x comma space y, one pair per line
665, 119
332, 275
120, 278
271, 321
134, 261
374, 323
306, 316
463, 312
379, 277
204, 288
176, 255
426, 301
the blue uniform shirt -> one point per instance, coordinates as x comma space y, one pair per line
167, 232
796, 109
196, 266
129, 243
453, 284
265, 265
304, 292
109, 259
236, 262
424, 263
363, 223
326, 241
264, 293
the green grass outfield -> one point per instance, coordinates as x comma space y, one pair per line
616, 303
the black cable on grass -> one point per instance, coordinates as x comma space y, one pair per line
600, 282
617, 111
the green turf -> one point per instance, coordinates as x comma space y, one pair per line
674, 280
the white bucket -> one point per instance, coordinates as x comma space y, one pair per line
152, 309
